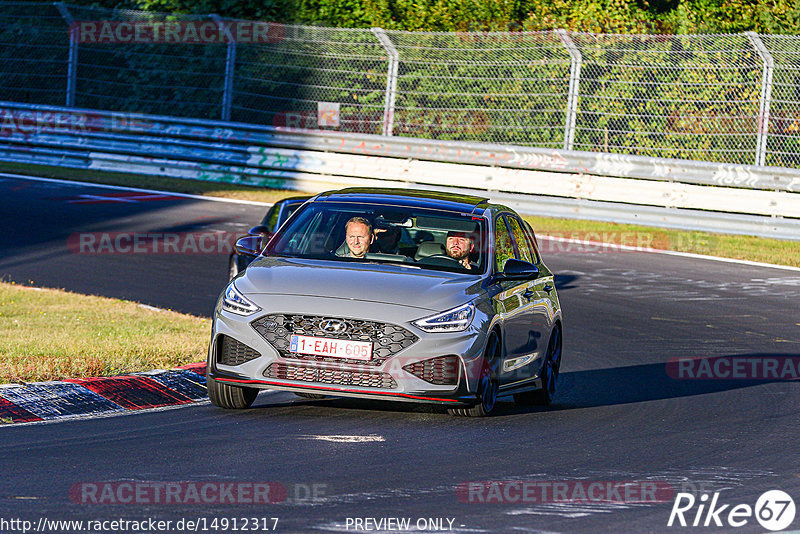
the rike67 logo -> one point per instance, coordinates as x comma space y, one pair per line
774, 510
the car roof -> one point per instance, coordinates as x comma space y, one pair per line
293, 200
407, 197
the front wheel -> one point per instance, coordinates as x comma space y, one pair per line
228, 396
550, 371
488, 385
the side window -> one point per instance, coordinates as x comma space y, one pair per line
525, 252
533, 244
285, 214
503, 246
271, 218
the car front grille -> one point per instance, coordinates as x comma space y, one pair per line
441, 371
233, 352
364, 379
387, 339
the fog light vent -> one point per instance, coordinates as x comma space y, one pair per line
233, 352
440, 371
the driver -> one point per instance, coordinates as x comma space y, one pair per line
459, 245
358, 238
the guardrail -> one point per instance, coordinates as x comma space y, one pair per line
733, 198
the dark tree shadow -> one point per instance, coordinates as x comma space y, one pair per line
579, 389
565, 281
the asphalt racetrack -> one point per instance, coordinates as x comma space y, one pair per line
624, 416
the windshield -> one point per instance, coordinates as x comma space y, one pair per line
348, 232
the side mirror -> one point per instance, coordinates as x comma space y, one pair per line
249, 245
515, 269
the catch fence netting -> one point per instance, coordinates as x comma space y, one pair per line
731, 98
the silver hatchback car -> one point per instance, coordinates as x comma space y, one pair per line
392, 294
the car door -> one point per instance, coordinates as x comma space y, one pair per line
511, 303
527, 324
543, 304
544, 285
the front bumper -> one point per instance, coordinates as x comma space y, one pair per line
458, 397
389, 380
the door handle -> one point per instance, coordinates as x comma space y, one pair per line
548, 288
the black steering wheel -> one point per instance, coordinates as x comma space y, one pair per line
440, 260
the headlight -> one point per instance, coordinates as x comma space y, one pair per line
454, 320
235, 302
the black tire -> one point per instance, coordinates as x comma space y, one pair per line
550, 371
488, 385
228, 396
313, 396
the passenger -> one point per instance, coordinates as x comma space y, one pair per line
459, 246
358, 238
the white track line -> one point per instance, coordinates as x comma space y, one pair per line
606, 246
541, 236
135, 189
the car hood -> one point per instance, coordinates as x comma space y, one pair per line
385, 283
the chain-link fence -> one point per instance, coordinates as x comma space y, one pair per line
723, 98
34, 49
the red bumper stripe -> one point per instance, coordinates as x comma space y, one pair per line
406, 395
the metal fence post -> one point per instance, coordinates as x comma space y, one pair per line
72, 59
576, 59
391, 80
230, 64
766, 96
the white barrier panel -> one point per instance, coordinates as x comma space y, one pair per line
316, 160
31, 120
269, 163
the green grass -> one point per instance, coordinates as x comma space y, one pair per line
48, 334
728, 246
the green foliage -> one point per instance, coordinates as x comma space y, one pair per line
670, 97
598, 16
184, 81
733, 16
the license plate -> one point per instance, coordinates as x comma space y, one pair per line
335, 348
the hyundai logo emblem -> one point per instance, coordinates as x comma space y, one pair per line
333, 325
